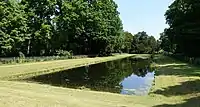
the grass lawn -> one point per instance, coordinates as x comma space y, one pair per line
177, 84
38, 68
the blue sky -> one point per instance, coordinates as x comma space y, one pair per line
143, 15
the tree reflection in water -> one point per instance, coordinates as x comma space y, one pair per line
100, 77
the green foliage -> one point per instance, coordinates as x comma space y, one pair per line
16, 60
40, 27
13, 27
143, 43
55, 27
128, 39
89, 27
183, 34
64, 53
165, 42
21, 58
21, 55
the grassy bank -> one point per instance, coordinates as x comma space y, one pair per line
18, 94
20, 60
15, 94
177, 84
21, 71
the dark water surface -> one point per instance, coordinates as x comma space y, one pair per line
125, 76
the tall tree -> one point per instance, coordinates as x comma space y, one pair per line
143, 43
183, 19
128, 39
41, 27
40, 19
91, 27
13, 27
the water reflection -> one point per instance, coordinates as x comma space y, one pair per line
135, 85
121, 76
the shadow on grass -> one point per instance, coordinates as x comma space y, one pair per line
161, 59
170, 66
179, 70
188, 87
192, 102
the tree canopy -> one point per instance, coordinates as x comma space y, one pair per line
183, 33
143, 43
43, 27
40, 27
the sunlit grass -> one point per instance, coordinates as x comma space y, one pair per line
177, 84
38, 68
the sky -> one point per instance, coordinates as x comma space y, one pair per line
143, 15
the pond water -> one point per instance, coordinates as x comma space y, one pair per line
126, 76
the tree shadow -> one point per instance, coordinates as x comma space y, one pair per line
161, 59
179, 70
192, 102
188, 87
171, 66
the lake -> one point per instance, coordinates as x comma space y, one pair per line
125, 76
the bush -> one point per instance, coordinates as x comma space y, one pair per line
21, 55
60, 55
64, 53
21, 58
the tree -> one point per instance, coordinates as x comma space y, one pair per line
143, 43
165, 42
42, 27
90, 27
109, 26
152, 43
128, 38
40, 20
183, 19
13, 28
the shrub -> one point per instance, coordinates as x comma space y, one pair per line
64, 53
21, 58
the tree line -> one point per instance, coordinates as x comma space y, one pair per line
182, 36
140, 43
47, 27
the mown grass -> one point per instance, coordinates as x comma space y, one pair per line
177, 84
15, 94
21, 71
19, 94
